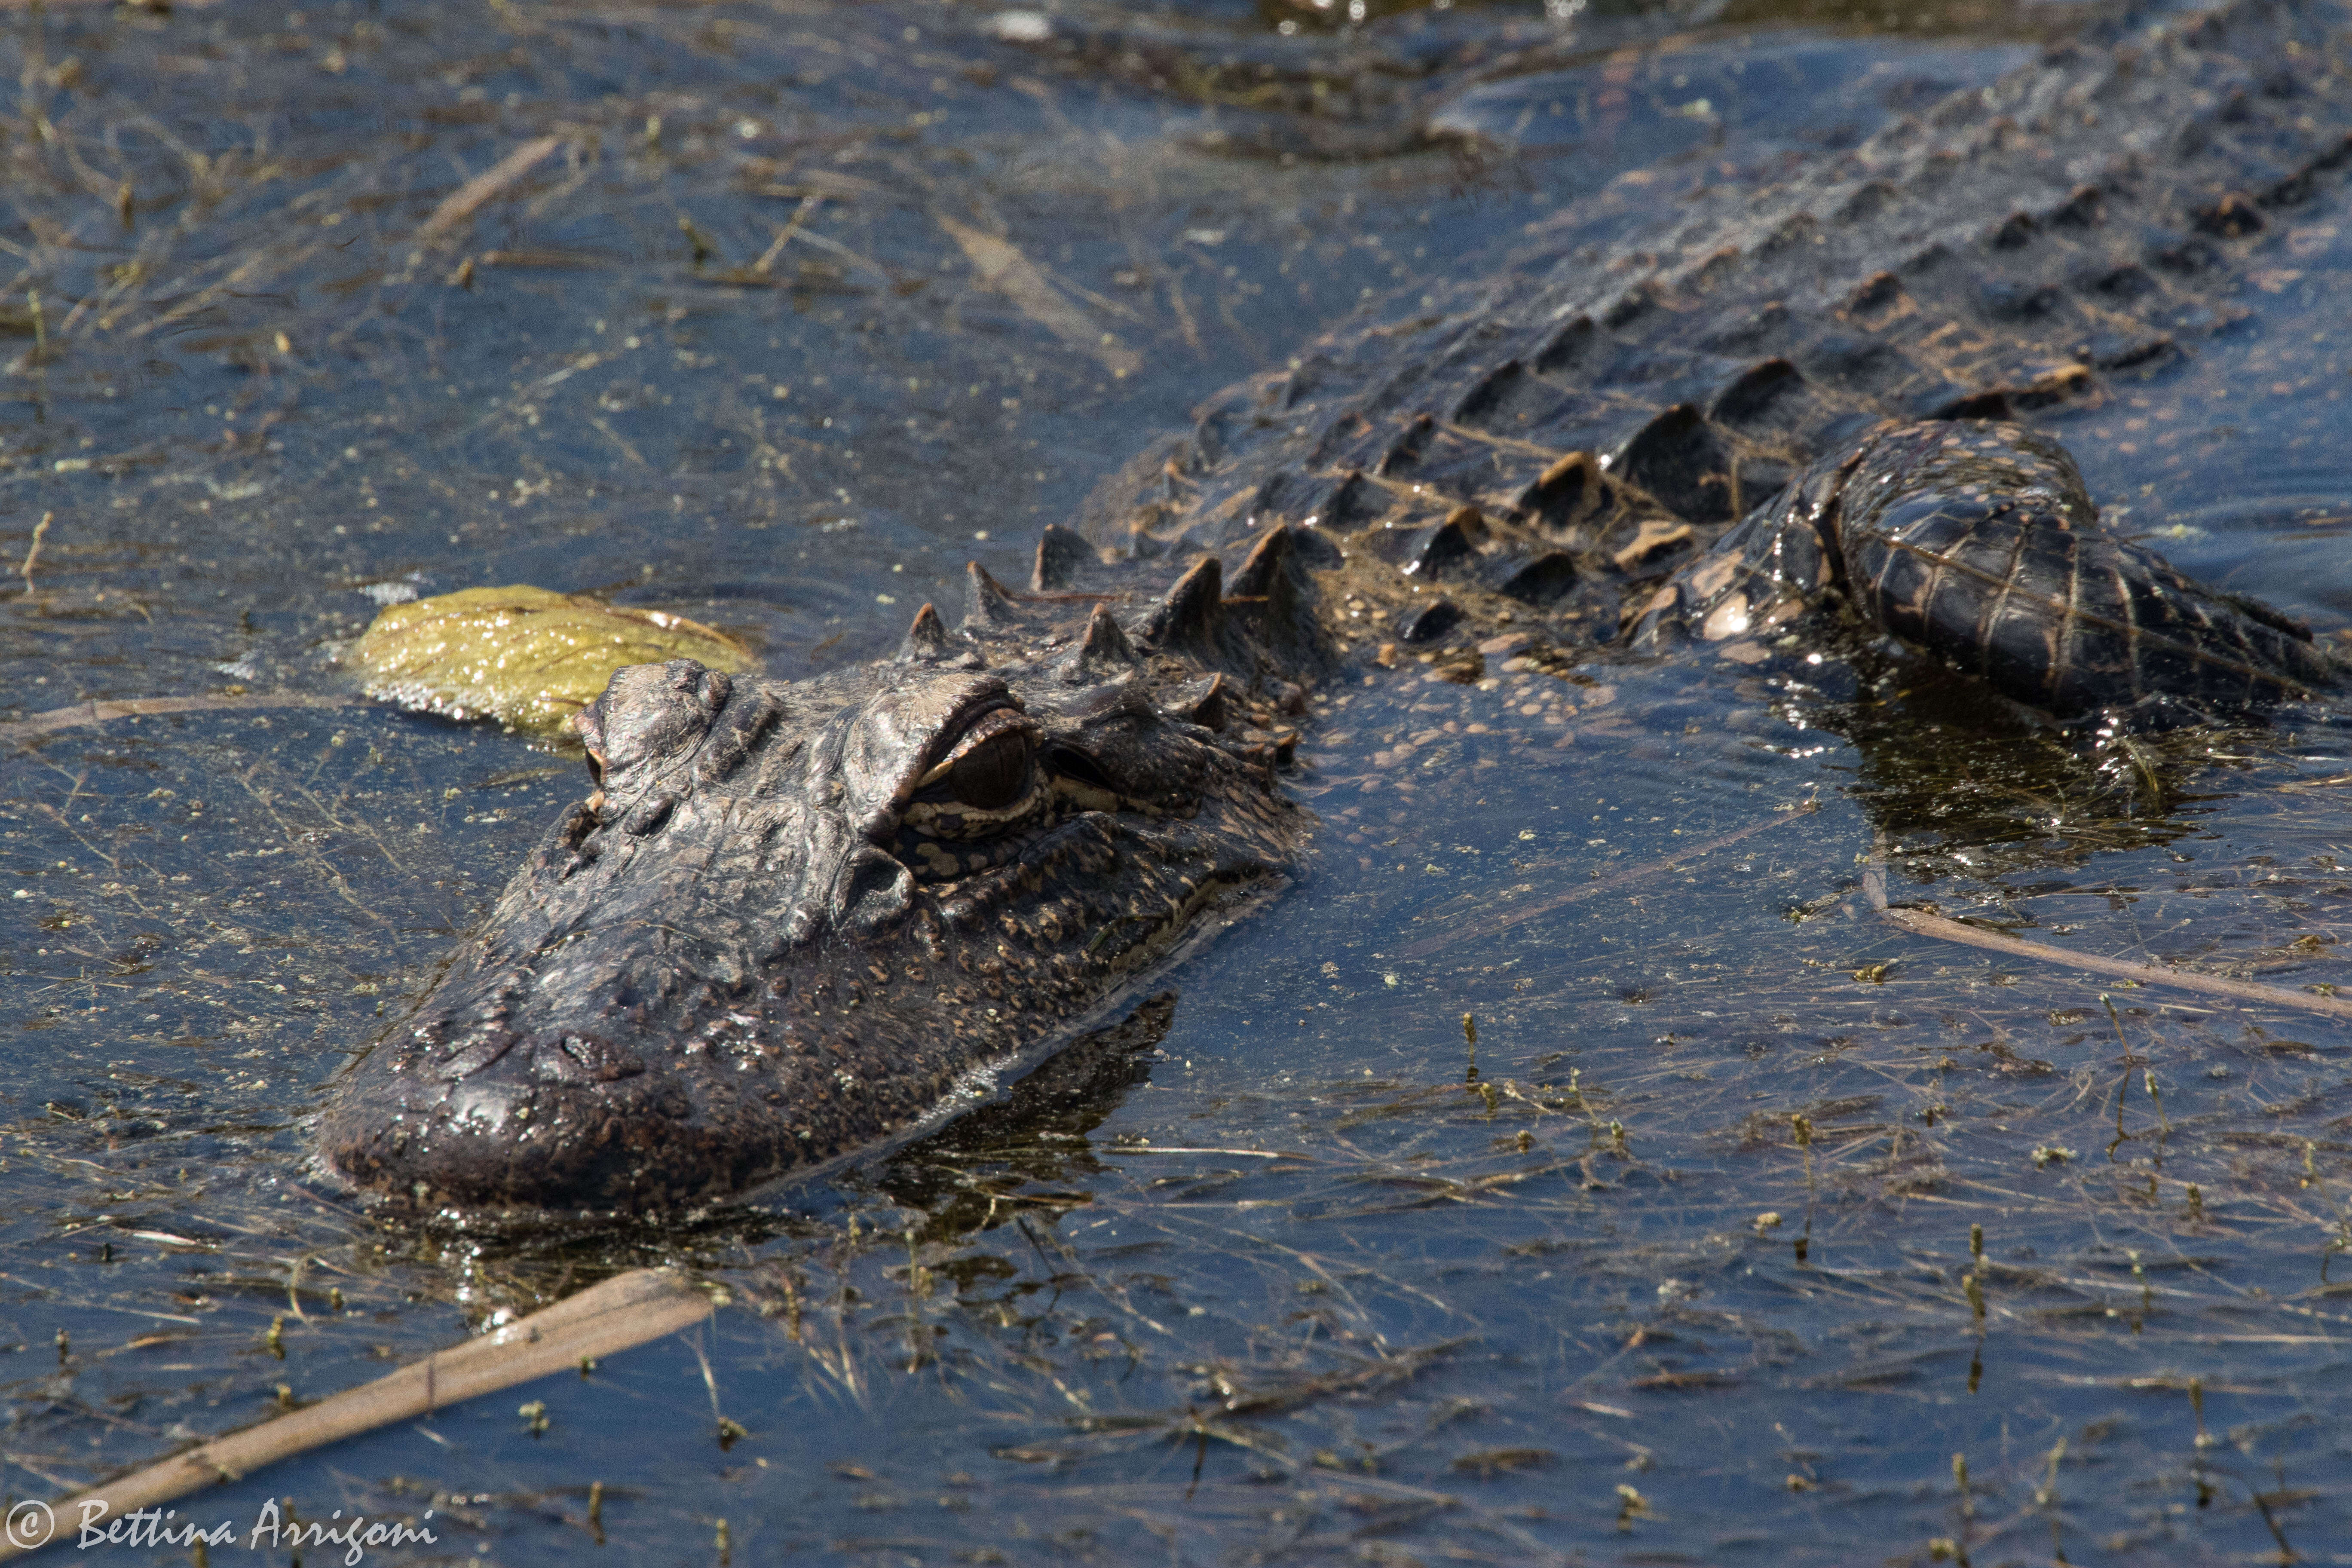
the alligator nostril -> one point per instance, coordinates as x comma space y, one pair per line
876, 891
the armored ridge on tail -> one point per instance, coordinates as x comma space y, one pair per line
796, 921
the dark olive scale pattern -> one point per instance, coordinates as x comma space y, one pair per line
1551, 438
1977, 542
796, 922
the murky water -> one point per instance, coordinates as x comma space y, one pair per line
778, 314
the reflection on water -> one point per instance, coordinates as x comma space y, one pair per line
776, 315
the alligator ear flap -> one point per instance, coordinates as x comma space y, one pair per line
926, 638
1061, 553
1200, 702
1103, 654
988, 607
1191, 619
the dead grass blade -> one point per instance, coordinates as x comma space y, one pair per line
466, 199
1481, 930
24, 731
1026, 284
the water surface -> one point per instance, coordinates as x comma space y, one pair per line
1279, 1278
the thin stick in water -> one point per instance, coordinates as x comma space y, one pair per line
1921, 923
626, 1310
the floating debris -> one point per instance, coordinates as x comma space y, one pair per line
526, 657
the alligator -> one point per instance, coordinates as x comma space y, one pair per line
798, 921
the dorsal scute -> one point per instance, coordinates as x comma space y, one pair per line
1756, 394
1567, 493
1062, 556
1272, 565
988, 607
1681, 458
1189, 621
926, 638
1102, 652
1272, 600
1199, 701
1426, 551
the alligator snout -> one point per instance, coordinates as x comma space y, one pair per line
534, 1122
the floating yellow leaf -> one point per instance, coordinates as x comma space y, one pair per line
523, 655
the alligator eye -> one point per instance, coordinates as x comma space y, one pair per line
994, 774
985, 786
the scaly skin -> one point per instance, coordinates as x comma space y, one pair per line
1975, 542
796, 919
797, 922
2081, 225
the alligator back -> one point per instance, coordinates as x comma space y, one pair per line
1588, 419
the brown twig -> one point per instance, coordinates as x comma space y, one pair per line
1921, 923
624, 1312
462, 203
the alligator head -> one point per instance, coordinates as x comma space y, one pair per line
797, 921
